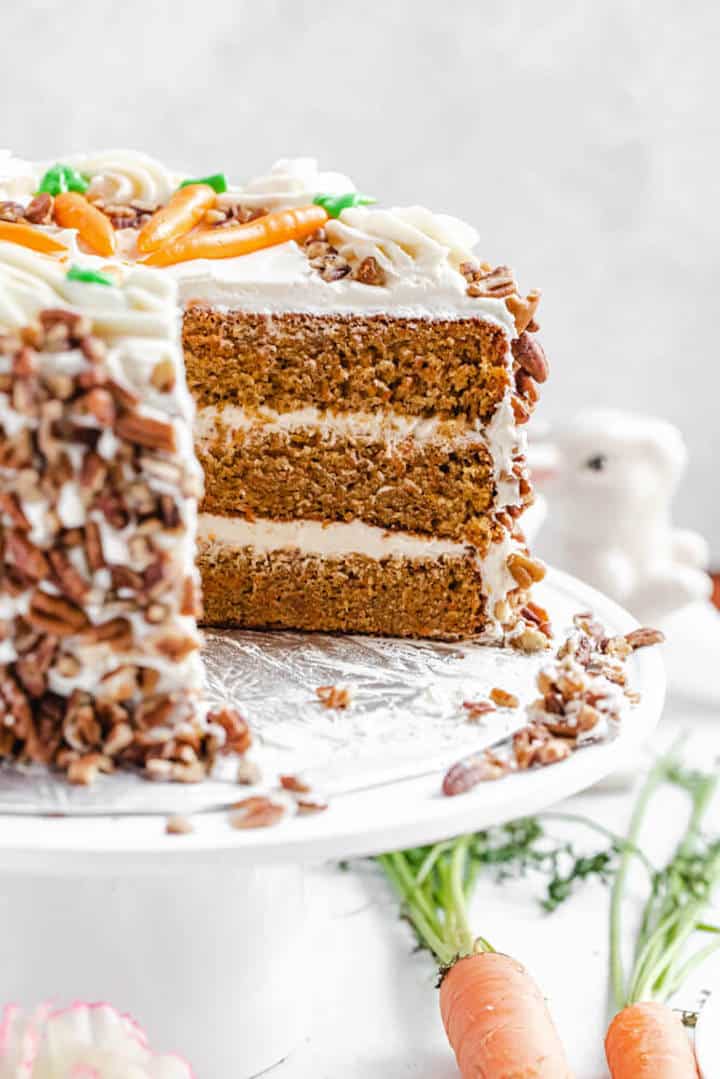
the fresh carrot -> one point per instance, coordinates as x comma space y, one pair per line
73, 211
221, 243
184, 210
497, 1021
29, 236
649, 1041
494, 1015
646, 1039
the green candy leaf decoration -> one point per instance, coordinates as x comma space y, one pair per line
335, 204
218, 182
62, 178
89, 277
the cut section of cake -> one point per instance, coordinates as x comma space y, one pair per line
362, 381
99, 661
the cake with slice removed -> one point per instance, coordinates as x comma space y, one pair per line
362, 381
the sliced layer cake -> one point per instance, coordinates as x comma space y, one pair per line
362, 381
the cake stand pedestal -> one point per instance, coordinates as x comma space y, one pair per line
202, 936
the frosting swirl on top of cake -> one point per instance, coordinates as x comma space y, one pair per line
403, 240
291, 182
139, 304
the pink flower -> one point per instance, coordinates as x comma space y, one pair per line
84, 1041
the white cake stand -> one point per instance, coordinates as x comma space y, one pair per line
202, 936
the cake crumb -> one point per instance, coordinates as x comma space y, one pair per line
334, 696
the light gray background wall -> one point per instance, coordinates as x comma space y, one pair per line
582, 139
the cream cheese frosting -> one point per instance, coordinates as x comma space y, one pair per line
419, 251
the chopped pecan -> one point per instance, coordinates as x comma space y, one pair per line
163, 376
84, 770
76, 325
334, 696
644, 637
29, 559
39, 210
553, 751
12, 211
503, 699
369, 272
120, 737
476, 709
306, 804
120, 684
497, 283
31, 669
175, 646
256, 812
238, 738
466, 774
527, 742
530, 354
524, 569
11, 507
99, 403
523, 310
294, 784
117, 633
93, 546
68, 579
146, 431
526, 388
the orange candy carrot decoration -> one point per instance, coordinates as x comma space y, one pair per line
184, 210
226, 242
28, 236
73, 211
497, 1021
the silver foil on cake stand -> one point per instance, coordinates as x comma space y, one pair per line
405, 718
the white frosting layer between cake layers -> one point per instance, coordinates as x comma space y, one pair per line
338, 539
501, 436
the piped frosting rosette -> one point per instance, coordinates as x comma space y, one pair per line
84, 1041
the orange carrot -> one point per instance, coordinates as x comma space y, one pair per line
221, 243
497, 1021
648, 1041
184, 210
28, 236
73, 211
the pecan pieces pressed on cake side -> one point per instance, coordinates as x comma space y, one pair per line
87, 520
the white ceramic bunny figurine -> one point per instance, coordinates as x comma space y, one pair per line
610, 492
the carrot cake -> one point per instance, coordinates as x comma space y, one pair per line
362, 381
99, 661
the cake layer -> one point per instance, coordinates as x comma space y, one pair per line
313, 576
396, 596
417, 367
437, 487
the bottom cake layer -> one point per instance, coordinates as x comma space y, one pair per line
392, 597
303, 575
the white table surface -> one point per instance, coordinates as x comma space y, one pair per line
373, 1002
